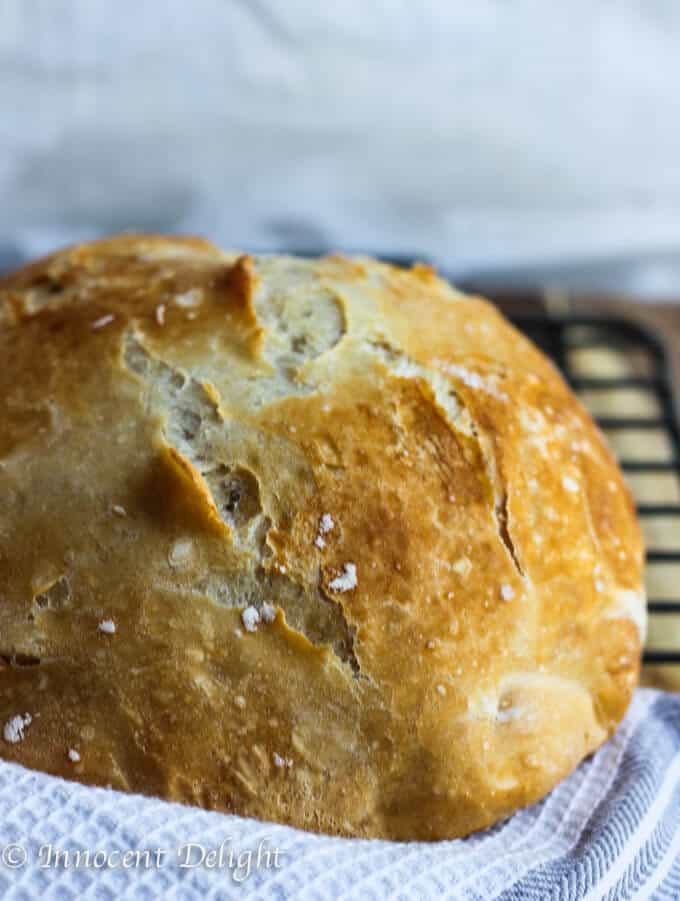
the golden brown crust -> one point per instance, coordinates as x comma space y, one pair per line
439, 548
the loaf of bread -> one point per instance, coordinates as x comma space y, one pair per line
324, 542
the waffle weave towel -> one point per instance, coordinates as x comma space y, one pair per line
612, 830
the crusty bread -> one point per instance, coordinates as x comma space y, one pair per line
324, 542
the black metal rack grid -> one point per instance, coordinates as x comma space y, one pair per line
558, 336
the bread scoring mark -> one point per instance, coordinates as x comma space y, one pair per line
458, 417
501, 516
191, 429
302, 320
191, 422
447, 400
499, 491
188, 411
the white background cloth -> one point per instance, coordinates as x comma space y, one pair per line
611, 830
480, 134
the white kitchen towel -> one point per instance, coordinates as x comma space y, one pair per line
612, 830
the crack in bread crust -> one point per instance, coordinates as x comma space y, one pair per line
454, 411
192, 427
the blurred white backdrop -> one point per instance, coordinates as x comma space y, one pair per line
479, 134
